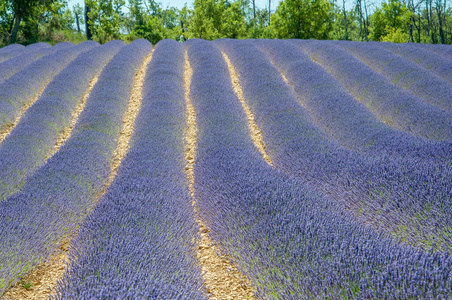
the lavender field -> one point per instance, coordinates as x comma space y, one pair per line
310, 169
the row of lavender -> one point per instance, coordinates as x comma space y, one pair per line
139, 242
15, 50
290, 241
29, 144
393, 105
408, 75
18, 62
394, 191
59, 194
28, 83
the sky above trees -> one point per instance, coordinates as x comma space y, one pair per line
180, 3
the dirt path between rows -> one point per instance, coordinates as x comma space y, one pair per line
41, 282
222, 279
255, 131
4, 132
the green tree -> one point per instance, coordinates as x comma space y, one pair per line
345, 25
6, 20
233, 23
21, 10
302, 19
206, 20
78, 15
105, 18
390, 22
258, 26
214, 19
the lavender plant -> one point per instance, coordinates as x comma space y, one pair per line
20, 88
338, 114
403, 73
290, 241
384, 191
59, 195
17, 63
424, 58
28, 146
10, 51
392, 105
145, 223
438, 49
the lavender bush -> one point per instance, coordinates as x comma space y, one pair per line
29, 144
20, 88
339, 115
392, 105
385, 191
145, 223
14, 65
59, 194
403, 73
432, 62
11, 50
291, 242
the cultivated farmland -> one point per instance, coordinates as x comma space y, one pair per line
233, 169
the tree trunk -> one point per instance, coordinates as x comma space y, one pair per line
254, 9
345, 21
366, 22
77, 21
13, 36
269, 10
89, 35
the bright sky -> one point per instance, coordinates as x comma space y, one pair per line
180, 3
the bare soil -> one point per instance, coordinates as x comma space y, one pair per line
255, 131
222, 279
6, 130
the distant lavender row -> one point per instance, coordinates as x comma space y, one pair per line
392, 105
11, 51
408, 197
28, 146
340, 115
438, 49
20, 88
14, 65
145, 223
15, 50
403, 73
57, 197
290, 242
426, 59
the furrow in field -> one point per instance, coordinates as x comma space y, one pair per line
414, 79
222, 279
255, 132
22, 90
33, 140
290, 241
128, 120
392, 105
61, 193
346, 120
66, 133
145, 223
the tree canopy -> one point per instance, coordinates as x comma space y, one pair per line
28, 21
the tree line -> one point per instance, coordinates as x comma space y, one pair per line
419, 21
